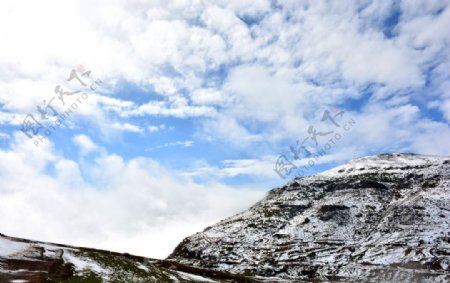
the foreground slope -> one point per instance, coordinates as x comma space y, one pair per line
28, 261
379, 218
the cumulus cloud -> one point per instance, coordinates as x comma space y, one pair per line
307, 53
136, 206
208, 96
127, 127
445, 106
85, 144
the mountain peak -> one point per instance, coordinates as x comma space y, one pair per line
387, 162
384, 217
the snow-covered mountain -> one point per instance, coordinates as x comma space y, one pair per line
383, 218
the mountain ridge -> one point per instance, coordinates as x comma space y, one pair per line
383, 217
23, 260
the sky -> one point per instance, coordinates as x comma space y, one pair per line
129, 125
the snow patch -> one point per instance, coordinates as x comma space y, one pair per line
194, 277
8, 247
82, 264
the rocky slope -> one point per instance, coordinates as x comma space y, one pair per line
383, 218
28, 261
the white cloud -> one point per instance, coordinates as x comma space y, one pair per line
4, 136
262, 168
127, 127
253, 8
171, 47
85, 144
208, 96
177, 106
24, 95
136, 206
157, 128
445, 107
11, 118
185, 143
227, 128
153, 129
432, 138
112, 104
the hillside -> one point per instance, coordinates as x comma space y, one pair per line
379, 218
29, 261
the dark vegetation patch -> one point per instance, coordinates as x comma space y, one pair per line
366, 184
336, 213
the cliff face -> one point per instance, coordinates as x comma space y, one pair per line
378, 218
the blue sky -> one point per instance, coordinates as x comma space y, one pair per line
197, 102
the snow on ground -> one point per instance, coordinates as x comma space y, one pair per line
194, 277
85, 264
371, 163
8, 247
142, 267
